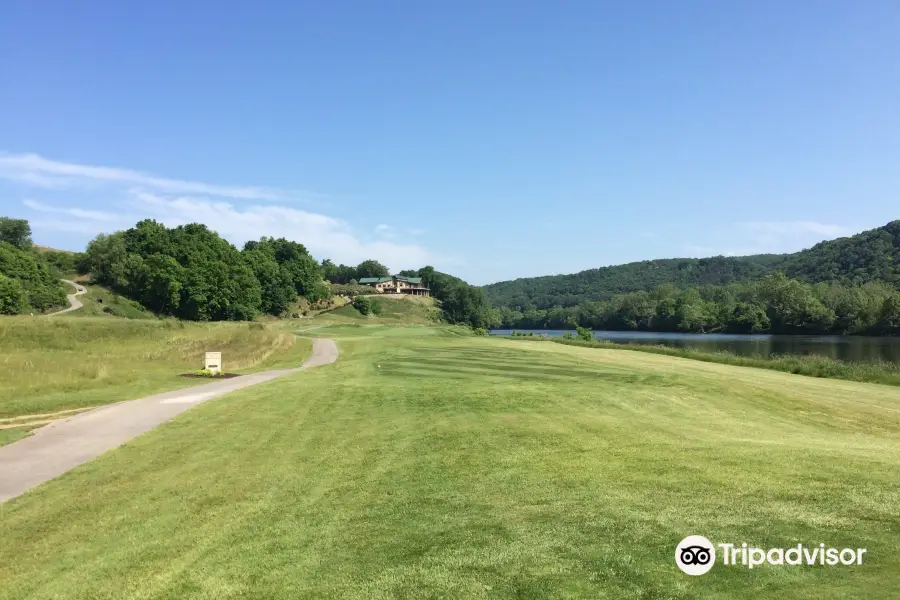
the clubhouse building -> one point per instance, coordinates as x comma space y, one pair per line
396, 284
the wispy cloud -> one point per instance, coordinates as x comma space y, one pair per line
324, 236
238, 213
37, 171
90, 215
386, 232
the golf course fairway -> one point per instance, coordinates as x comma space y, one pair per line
427, 463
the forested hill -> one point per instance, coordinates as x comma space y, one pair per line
869, 256
872, 255
603, 283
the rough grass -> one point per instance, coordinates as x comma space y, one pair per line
887, 373
430, 465
54, 364
387, 309
98, 301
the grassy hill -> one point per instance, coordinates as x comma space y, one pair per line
58, 365
389, 308
98, 301
869, 256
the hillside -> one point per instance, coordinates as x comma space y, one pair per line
605, 282
873, 255
399, 309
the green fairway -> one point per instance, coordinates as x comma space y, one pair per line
430, 464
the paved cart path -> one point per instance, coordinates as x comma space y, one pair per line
73, 441
74, 302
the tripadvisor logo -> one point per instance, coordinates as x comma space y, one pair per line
696, 555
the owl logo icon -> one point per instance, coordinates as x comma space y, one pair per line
695, 555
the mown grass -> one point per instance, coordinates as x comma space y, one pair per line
884, 372
7, 436
51, 364
425, 464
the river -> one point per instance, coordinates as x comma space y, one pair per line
847, 348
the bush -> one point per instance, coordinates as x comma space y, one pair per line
350, 289
585, 334
568, 336
42, 289
363, 305
480, 331
208, 373
13, 299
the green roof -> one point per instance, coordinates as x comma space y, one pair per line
366, 280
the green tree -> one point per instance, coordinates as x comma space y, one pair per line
748, 318
105, 258
371, 268
304, 271
15, 232
362, 304
162, 284
889, 317
43, 290
791, 306
276, 285
13, 298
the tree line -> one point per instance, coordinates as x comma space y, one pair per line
347, 275
192, 273
29, 278
773, 304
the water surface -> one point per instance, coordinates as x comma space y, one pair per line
848, 348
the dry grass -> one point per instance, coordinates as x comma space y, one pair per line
48, 365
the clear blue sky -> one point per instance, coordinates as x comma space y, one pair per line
492, 139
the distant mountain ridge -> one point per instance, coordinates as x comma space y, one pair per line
872, 255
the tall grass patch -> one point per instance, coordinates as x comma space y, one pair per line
55, 364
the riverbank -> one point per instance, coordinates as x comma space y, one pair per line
850, 349
887, 373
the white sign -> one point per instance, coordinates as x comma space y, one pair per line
214, 362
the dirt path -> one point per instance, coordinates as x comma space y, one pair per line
74, 302
69, 442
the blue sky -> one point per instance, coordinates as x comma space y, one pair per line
493, 140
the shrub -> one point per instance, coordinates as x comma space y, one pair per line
13, 299
362, 304
568, 336
585, 334
208, 373
480, 331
